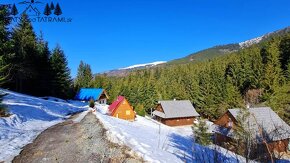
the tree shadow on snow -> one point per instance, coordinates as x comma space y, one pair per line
188, 151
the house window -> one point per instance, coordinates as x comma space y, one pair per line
188, 119
128, 112
230, 123
177, 120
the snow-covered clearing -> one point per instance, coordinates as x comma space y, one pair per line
29, 117
156, 142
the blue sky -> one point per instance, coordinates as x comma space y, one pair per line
112, 34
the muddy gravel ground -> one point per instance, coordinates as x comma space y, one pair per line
71, 142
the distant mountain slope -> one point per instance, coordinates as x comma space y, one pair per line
207, 54
220, 50
126, 70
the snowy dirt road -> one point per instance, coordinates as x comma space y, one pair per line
71, 141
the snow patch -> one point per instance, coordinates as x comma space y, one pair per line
144, 65
82, 116
251, 42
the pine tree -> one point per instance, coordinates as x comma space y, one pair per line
245, 137
84, 76
47, 10
57, 10
52, 6
61, 85
273, 77
280, 102
284, 48
44, 77
3, 71
288, 71
14, 10
5, 51
201, 135
5, 45
25, 56
233, 98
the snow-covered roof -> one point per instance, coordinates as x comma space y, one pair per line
273, 127
177, 109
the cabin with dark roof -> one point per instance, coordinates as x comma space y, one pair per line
97, 94
175, 113
122, 109
265, 125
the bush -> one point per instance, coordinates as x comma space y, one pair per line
140, 110
92, 103
3, 111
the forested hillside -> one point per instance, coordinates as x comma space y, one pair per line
221, 50
258, 75
207, 54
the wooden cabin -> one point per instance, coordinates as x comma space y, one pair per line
122, 109
263, 119
175, 113
97, 94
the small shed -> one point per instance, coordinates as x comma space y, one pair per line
175, 113
97, 94
122, 109
264, 124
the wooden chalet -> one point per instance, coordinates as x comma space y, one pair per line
121, 108
175, 113
265, 125
97, 94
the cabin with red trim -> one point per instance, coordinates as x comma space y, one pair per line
122, 109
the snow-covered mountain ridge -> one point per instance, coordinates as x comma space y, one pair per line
251, 42
143, 65
257, 40
124, 71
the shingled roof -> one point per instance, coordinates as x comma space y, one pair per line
273, 127
115, 104
176, 109
85, 94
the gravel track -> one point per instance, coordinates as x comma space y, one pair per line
71, 142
